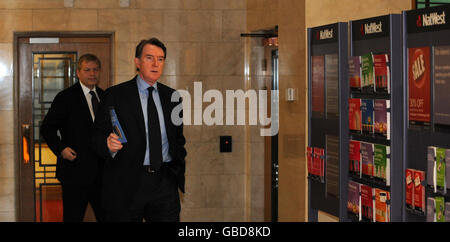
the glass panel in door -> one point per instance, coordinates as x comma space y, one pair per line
52, 72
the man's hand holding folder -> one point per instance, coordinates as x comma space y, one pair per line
117, 137
113, 143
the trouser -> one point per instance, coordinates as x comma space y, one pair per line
156, 200
76, 198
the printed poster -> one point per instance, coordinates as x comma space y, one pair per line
318, 80
442, 85
419, 84
332, 85
332, 166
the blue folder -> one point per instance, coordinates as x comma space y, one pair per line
117, 129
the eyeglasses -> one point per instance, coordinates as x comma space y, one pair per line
158, 59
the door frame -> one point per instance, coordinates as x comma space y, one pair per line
22, 212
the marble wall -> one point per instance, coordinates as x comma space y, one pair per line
204, 44
288, 15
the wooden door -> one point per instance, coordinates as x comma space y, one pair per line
45, 64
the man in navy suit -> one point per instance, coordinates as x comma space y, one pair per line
143, 175
78, 168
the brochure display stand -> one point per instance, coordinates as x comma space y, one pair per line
375, 115
427, 115
327, 150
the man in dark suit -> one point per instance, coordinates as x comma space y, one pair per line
78, 167
142, 176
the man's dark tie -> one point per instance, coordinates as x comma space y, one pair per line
154, 130
94, 101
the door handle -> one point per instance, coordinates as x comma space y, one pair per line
26, 143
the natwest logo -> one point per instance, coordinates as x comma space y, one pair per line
326, 34
372, 28
431, 19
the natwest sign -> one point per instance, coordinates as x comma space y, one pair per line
431, 19
326, 34
373, 28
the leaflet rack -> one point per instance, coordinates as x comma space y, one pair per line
328, 119
426, 33
383, 35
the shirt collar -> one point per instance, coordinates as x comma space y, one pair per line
86, 90
142, 85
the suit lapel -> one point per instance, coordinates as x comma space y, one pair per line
137, 107
99, 93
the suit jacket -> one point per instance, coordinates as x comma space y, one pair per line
69, 113
122, 173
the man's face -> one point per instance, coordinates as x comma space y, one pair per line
89, 73
151, 63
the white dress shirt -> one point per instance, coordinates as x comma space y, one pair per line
88, 97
